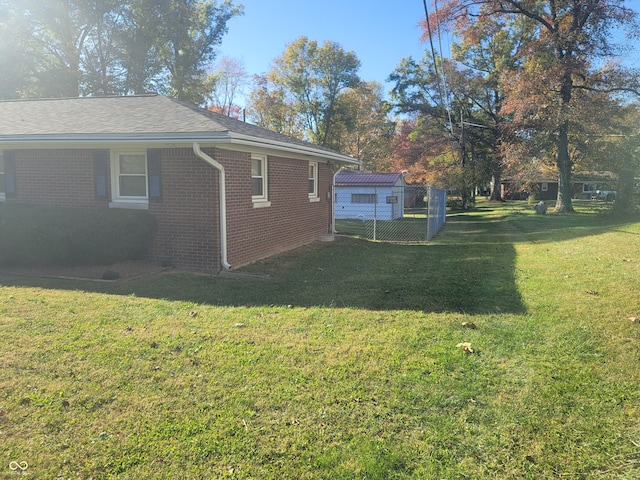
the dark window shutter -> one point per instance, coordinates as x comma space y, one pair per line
154, 174
101, 173
10, 188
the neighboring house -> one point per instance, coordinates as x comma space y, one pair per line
543, 188
367, 195
584, 185
224, 193
587, 185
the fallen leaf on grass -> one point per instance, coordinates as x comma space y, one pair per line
634, 319
470, 325
465, 347
592, 292
193, 313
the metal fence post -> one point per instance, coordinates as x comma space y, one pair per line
375, 213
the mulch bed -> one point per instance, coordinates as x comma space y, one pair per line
120, 271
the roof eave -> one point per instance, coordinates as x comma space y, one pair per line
43, 141
232, 141
328, 155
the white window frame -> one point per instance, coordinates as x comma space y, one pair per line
545, 187
260, 201
124, 201
313, 177
2, 177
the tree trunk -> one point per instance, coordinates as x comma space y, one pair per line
624, 196
496, 179
563, 202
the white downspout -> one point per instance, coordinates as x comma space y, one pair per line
333, 200
223, 203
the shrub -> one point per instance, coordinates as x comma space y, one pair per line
36, 235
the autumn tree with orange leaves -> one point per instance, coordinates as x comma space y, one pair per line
562, 67
458, 102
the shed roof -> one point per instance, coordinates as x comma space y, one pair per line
138, 118
373, 179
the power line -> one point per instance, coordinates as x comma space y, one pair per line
441, 84
433, 50
444, 74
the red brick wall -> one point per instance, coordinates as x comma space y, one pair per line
289, 222
188, 215
56, 177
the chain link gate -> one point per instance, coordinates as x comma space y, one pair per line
405, 214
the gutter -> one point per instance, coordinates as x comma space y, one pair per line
310, 150
228, 139
223, 203
333, 200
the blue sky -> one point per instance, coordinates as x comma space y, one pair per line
379, 33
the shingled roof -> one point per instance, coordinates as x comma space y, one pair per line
373, 179
140, 118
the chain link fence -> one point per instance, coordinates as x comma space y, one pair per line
406, 214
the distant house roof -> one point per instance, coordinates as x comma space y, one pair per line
372, 179
139, 119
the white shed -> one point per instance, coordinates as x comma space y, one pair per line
368, 195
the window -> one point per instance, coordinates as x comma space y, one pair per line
313, 181
364, 198
132, 175
129, 179
259, 180
2, 181
545, 187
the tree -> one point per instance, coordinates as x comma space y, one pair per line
61, 28
362, 127
228, 79
100, 64
614, 146
105, 47
271, 106
489, 49
560, 61
454, 122
18, 52
314, 76
140, 44
190, 30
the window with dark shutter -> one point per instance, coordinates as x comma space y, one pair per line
101, 173
154, 174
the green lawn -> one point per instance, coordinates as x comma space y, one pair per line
411, 228
344, 363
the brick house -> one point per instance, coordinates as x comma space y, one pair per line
224, 193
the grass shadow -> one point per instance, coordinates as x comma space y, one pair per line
468, 268
470, 272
